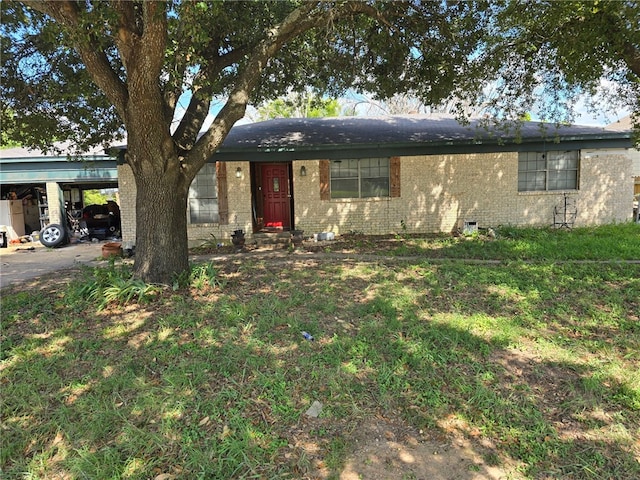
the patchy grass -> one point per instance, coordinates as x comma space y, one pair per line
538, 361
611, 242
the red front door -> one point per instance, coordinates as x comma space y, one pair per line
275, 191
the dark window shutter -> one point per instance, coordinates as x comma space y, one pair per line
395, 176
223, 202
325, 191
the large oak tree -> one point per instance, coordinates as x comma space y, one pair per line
91, 71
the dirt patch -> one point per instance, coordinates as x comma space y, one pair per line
348, 243
384, 450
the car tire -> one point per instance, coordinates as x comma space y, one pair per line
53, 235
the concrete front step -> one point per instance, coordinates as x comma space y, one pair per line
277, 239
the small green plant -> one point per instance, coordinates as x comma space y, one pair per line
113, 284
199, 275
208, 245
205, 274
212, 242
124, 290
403, 230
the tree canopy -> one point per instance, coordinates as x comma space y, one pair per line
69, 66
553, 53
93, 71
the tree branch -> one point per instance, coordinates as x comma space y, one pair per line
126, 14
187, 132
193, 119
309, 15
154, 37
631, 55
67, 13
297, 22
306, 17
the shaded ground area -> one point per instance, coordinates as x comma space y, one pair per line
425, 371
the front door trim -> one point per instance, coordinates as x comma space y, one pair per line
273, 196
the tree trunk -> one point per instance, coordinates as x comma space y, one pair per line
161, 229
161, 232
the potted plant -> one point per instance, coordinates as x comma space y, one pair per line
297, 236
237, 238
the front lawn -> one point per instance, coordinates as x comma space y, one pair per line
532, 358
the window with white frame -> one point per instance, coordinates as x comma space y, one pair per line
360, 178
552, 170
203, 196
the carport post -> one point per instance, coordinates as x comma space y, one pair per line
127, 195
55, 204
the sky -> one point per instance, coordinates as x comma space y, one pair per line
583, 115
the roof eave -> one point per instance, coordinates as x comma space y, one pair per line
349, 150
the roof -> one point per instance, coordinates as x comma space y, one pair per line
349, 137
22, 165
343, 137
64, 148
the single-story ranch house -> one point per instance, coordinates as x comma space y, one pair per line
415, 174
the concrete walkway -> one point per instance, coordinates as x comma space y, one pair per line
28, 261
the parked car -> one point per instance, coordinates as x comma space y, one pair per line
102, 221
93, 221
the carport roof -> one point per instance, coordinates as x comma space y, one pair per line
21, 165
344, 137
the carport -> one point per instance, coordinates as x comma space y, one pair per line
38, 189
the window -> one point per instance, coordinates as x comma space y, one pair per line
542, 171
203, 196
360, 178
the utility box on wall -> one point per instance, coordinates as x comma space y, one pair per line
470, 228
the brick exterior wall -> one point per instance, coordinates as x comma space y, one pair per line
438, 194
606, 189
239, 198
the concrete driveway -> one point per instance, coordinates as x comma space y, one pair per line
31, 260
